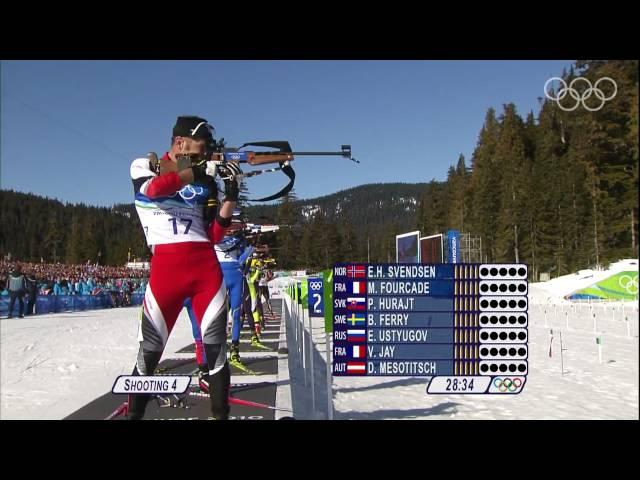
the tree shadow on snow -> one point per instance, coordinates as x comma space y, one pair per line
440, 409
382, 385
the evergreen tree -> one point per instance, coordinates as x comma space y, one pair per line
486, 185
510, 158
72, 250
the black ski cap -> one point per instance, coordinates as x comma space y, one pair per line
194, 127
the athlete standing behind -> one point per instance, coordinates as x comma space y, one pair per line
174, 206
265, 278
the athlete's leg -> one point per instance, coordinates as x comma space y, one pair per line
233, 280
201, 357
254, 306
246, 306
160, 309
209, 302
259, 304
265, 293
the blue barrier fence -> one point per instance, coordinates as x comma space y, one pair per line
65, 303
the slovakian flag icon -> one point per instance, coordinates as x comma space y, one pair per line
358, 351
356, 271
359, 288
356, 303
356, 368
356, 335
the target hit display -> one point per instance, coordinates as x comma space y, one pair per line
464, 325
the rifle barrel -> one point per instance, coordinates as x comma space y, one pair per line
318, 153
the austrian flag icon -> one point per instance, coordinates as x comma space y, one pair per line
356, 368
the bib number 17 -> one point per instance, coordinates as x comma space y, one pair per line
182, 220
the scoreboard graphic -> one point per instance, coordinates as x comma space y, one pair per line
463, 325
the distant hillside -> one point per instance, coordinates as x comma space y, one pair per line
367, 208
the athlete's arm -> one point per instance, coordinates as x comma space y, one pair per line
223, 220
246, 254
148, 183
230, 174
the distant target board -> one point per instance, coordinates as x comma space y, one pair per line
431, 249
464, 325
408, 247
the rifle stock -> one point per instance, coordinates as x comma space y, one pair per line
265, 158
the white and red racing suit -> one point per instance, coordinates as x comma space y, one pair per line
183, 266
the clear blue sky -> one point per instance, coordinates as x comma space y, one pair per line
69, 129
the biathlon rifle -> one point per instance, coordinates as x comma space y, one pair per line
280, 153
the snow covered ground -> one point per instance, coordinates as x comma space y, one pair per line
51, 365
555, 289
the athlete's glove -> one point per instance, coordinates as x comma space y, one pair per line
204, 172
230, 174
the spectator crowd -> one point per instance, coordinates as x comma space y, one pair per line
18, 279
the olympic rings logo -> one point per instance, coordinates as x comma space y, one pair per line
507, 384
575, 94
315, 286
629, 283
189, 192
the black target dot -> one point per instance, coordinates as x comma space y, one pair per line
484, 335
483, 288
494, 368
494, 336
512, 352
512, 336
503, 352
512, 288
512, 271
522, 335
512, 304
494, 319
512, 368
503, 368
522, 272
494, 288
484, 368
484, 304
522, 368
503, 272
494, 272
522, 319
503, 288
522, 304
522, 352
484, 272
522, 288
512, 320
483, 320
494, 303
503, 303
484, 351
494, 351
503, 319
503, 336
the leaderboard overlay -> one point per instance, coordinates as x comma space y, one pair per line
464, 325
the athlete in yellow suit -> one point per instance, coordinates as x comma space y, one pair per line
254, 275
